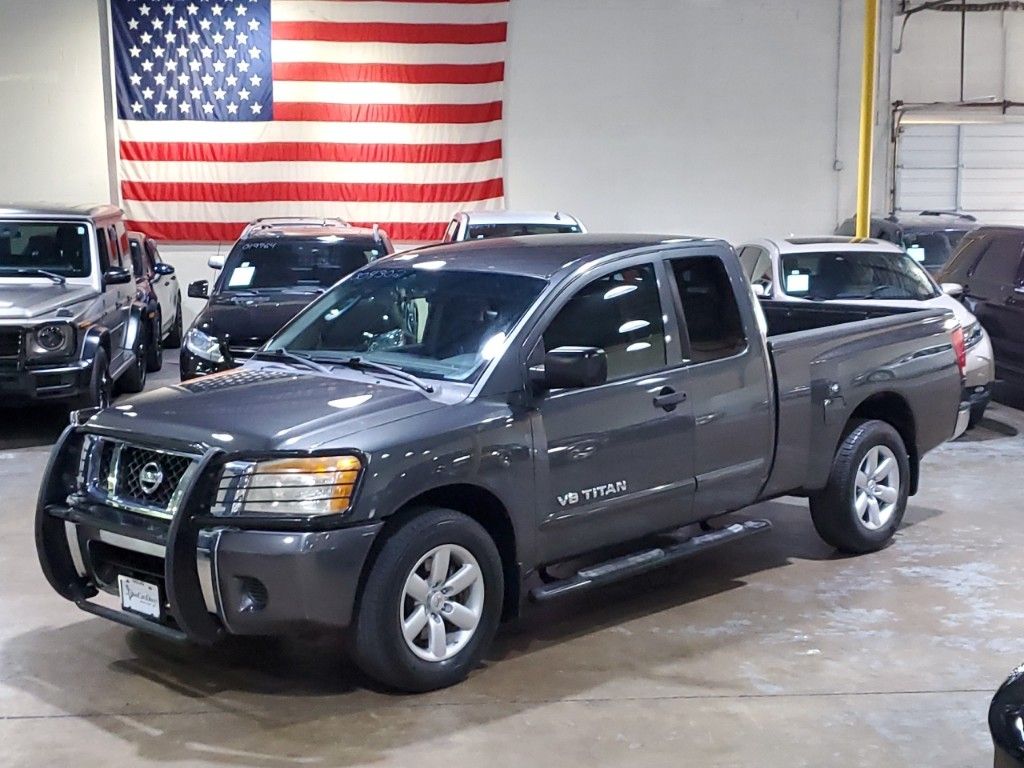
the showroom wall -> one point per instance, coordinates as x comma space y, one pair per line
927, 68
686, 116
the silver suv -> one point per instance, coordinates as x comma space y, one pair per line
71, 325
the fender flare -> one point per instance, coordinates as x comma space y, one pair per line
96, 336
137, 319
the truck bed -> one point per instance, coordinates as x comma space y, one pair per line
830, 359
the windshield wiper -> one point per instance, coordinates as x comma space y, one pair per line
360, 363
283, 355
58, 279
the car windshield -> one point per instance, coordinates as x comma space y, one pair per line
855, 275
508, 229
278, 264
434, 323
932, 249
36, 247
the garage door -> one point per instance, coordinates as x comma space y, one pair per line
974, 168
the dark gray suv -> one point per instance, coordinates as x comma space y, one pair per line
71, 326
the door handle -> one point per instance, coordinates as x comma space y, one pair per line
668, 399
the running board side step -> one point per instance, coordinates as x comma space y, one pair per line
647, 560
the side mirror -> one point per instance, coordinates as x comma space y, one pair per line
761, 290
163, 268
215, 262
117, 276
572, 368
200, 289
953, 289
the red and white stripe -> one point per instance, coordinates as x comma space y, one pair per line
384, 112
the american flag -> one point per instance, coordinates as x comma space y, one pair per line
374, 111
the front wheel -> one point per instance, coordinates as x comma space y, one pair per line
101, 386
431, 603
173, 340
863, 504
134, 379
977, 414
154, 349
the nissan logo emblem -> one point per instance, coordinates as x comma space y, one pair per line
150, 477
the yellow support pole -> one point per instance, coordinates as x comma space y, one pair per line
867, 119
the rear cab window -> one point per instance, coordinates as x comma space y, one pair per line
711, 316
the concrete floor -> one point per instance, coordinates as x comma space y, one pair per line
775, 652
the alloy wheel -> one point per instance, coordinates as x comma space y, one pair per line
442, 603
877, 487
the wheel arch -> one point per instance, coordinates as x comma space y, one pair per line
894, 410
477, 503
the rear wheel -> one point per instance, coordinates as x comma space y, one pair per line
431, 603
863, 504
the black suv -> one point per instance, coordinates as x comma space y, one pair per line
71, 323
274, 269
989, 269
930, 237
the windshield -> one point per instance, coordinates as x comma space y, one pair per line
932, 249
432, 323
484, 231
58, 247
277, 264
855, 275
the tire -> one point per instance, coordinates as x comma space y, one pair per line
154, 350
101, 387
977, 414
834, 510
134, 379
173, 340
379, 645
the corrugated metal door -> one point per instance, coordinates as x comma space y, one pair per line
971, 168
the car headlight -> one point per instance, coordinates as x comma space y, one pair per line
50, 341
297, 487
204, 346
973, 334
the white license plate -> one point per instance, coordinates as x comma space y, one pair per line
139, 596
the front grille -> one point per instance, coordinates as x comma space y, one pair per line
142, 479
163, 471
10, 342
242, 353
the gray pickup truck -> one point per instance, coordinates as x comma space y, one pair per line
72, 326
448, 434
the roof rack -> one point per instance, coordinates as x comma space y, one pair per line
964, 216
270, 222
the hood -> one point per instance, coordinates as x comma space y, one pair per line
264, 407
248, 321
30, 299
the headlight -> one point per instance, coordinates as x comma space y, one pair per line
204, 346
308, 486
973, 334
51, 340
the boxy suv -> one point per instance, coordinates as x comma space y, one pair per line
987, 273
929, 237
274, 270
70, 322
